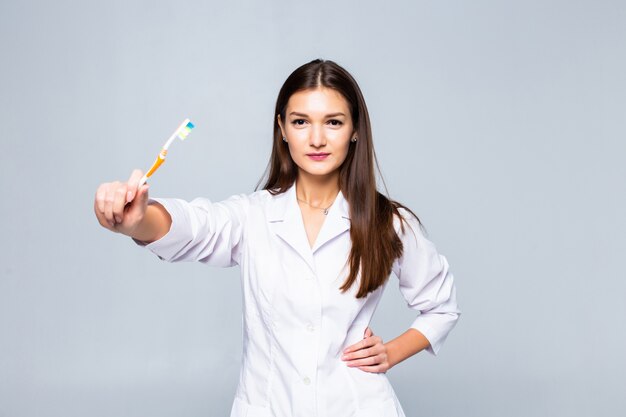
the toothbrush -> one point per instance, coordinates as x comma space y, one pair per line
182, 132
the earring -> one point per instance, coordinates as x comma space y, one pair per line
284, 139
353, 139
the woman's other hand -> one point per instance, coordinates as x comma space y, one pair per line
369, 355
121, 206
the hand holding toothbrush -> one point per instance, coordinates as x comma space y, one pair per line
123, 207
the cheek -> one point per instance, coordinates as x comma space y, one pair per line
343, 152
296, 149
342, 140
296, 137
344, 155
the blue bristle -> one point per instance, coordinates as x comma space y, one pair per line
190, 125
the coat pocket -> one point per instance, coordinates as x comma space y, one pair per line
385, 409
242, 409
370, 390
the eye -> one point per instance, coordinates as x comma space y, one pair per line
298, 122
335, 122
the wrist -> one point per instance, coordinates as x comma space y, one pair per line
404, 346
391, 353
155, 224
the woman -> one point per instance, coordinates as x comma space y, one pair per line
315, 247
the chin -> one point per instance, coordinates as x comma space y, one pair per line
317, 171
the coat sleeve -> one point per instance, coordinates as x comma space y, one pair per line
201, 230
426, 284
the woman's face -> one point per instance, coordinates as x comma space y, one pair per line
318, 128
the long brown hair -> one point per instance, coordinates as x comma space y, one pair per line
375, 244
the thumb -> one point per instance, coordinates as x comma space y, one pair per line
140, 201
143, 194
368, 330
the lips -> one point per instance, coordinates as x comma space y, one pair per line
317, 156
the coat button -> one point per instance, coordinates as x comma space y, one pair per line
306, 380
310, 328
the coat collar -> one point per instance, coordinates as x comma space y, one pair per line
285, 220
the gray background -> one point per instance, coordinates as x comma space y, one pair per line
502, 124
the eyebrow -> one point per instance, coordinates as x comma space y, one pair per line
293, 113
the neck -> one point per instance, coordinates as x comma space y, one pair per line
316, 190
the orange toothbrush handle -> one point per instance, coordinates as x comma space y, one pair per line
160, 159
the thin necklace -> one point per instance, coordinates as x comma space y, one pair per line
321, 208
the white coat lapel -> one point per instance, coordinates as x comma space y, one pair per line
285, 220
337, 221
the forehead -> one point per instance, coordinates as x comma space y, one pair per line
318, 100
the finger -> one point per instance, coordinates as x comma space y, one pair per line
354, 347
367, 361
119, 202
373, 346
100, 216
143, 192
100, 196
109, 199
376, 369
358, 354
135, 176
370, 341
368, 332
100, 206
139, 203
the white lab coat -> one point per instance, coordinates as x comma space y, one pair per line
296, 322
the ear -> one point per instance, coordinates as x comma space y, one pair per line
280, 124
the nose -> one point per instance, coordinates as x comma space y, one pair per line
317, 138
